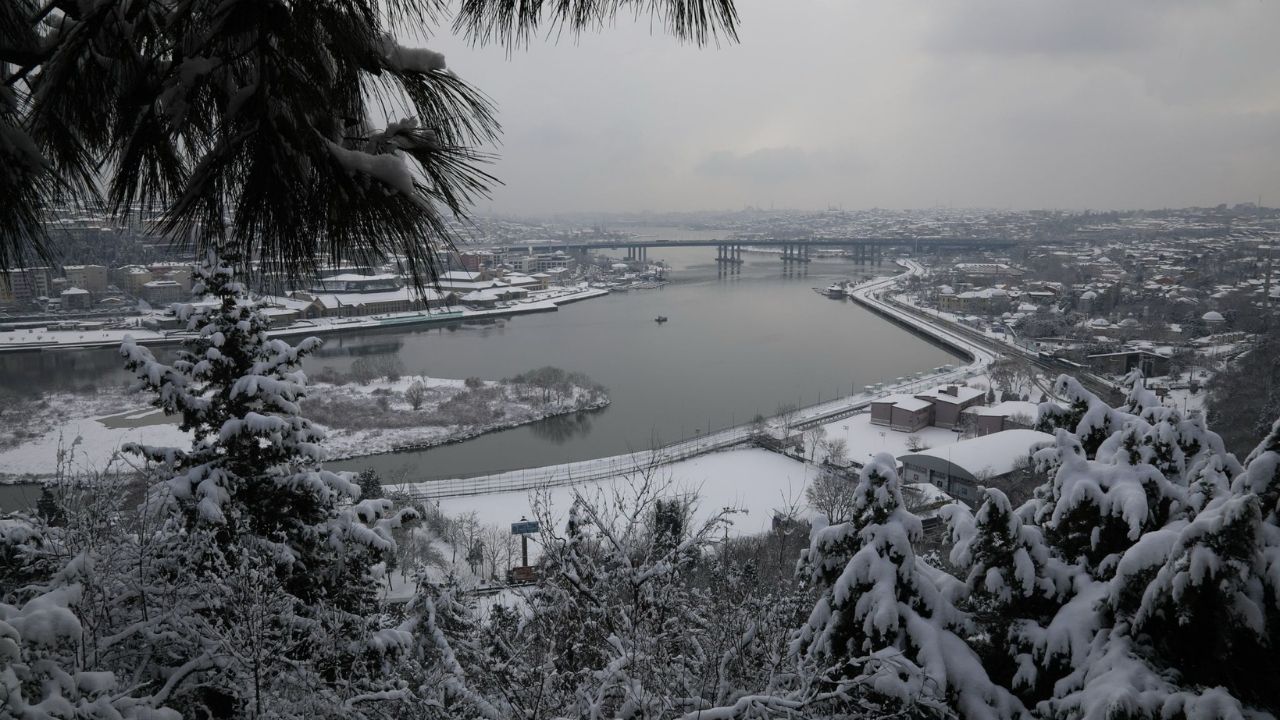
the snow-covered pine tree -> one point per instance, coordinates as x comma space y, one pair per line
1015, 585
1091, 511
450, 663
1262, 476
1167, 567
251, 494
885, 630
1086, 416
1186, 628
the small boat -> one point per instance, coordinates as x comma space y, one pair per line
835, 290
660, 319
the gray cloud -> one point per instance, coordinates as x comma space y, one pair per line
1006, 103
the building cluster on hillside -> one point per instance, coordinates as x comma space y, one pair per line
88, 288
1157, 293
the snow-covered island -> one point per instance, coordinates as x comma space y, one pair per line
368, 417
416, 412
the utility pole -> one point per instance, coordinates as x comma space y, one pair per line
1266, 288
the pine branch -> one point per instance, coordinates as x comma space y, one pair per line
512, 23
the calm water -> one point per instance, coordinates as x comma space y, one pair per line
735, 345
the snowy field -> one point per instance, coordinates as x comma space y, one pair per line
865, 440
753, 481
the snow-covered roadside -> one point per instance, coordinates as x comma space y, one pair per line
754, 481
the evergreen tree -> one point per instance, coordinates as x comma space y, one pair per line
250, 498
370, 484
1262, 476
49, 507
885, 626
449, 659
294, 132
1015, 585
1086, 416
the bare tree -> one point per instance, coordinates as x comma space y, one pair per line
812, 438
831, 494
786, 416
496, 541
836, 451
915, 444
1011, 375
416, 394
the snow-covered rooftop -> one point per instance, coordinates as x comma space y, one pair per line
356, 277
1008, 408
995, 454
963, 394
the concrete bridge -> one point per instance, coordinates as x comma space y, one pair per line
794, 250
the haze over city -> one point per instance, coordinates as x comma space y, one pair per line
994, 103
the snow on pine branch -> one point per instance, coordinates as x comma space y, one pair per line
407, 59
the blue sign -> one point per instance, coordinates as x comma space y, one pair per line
524, 527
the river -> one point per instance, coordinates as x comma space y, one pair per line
735, 345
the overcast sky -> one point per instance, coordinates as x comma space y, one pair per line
897, 103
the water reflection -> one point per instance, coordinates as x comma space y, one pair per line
560, 429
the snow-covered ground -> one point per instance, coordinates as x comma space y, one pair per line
754, 481
865, 440
89, 443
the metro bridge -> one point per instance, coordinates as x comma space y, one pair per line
794, 250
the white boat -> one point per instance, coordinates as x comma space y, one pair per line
835, 290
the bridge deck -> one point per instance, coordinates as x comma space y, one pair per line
954, 243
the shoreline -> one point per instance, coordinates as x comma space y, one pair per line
60, 340
103, 434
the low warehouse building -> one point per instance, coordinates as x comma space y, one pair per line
902, 412
960, 468
949, 401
